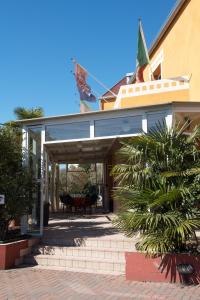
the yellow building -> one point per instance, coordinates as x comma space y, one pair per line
174, 63
128, 110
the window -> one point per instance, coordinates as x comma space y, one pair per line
34, 136
155, 118
157, 73
118, 126
69, 131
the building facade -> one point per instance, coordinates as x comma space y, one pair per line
170, 92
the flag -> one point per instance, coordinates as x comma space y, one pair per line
142, 54
84, 107
83, 88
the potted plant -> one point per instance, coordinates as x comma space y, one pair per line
158, 188
17, 185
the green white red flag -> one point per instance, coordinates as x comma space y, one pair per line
142, 55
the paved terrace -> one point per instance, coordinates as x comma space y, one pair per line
30, 283
52, 284
64, 228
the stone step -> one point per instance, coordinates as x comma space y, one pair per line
77, 263
56, 268
119, 244
63, 251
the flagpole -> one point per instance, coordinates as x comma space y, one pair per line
96, 79
98, 97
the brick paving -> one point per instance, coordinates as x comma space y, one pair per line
34, 283
67, 227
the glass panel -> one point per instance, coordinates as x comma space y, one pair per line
118, 126
34, 136
79, 180
35, 149
68, 131
155, 118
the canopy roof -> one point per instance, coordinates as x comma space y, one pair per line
91, 151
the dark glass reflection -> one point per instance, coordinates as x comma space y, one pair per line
118, 126
68, 131
155, 118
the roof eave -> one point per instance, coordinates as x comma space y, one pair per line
167, 24
41, 120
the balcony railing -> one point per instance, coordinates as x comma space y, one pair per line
150, 88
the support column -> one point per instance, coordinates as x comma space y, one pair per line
92, 133
57, 187
24, 219
66, 173
144, 123
106, 192
43, 177
52, 187
47, 180
169, 120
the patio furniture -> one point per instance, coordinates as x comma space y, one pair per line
78, 202
82, 202
90, 201
67, 201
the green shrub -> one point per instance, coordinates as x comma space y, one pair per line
16, 181
158, 187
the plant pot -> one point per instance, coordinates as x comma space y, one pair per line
12, 253
139, 267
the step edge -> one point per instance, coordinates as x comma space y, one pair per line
77, 270
66, 257
109, 249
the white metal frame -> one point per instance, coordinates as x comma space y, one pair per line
43, 179
92, 126
25, 146
91, 118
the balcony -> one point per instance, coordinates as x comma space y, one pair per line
153, 92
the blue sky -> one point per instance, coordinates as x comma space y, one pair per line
39, 37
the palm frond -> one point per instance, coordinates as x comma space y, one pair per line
183, 173
24, 113
158, 178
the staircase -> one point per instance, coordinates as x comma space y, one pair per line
93, 256
72, 252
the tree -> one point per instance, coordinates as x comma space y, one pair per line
16, 181
24, 113
158, 186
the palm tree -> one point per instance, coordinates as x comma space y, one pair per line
158, 186
24, 113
